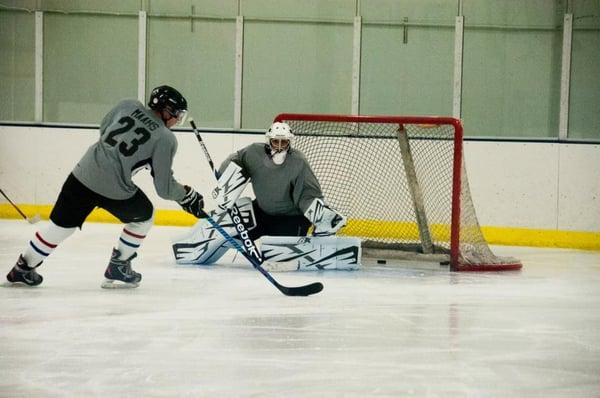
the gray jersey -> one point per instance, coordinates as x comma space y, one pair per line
287, 189
132, 137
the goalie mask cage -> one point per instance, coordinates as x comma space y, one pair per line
402, 183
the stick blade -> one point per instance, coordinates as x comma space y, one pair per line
306, 290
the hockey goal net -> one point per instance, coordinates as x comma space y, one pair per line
402, 183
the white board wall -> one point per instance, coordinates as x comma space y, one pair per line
514, 184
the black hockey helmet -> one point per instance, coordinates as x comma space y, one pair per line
168, 99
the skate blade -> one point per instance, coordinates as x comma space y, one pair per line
113, 284
18, 285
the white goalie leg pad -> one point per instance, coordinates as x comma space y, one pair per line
230, 186
326, 220
203, 244
312, 253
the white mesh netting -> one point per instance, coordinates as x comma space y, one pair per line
365, 173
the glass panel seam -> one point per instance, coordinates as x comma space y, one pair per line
239, 64
39, 67
142, 40
565, 78
356, 51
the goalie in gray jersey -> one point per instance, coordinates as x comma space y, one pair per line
288, 202
132, 137
283, 183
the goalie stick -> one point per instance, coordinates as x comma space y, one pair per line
305, 290
31, 220
250, 251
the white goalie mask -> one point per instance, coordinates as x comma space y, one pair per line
279, 141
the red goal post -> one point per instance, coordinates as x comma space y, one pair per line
402, 183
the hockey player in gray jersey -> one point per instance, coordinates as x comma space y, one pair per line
288, 201
132, 137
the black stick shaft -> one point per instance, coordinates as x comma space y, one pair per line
14, 205
206, 153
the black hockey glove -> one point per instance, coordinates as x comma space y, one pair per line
193, 203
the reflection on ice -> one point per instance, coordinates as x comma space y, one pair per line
223, 330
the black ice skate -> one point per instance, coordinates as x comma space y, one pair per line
119, 274
21, 273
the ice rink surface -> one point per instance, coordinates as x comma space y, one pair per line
225, 331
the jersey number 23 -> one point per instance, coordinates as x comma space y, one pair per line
127, 149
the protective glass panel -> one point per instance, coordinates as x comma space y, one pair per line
406, 70
17, 65
584, 116
90, 63
317, 10
511, 68
212, 8
407, 57
89, 6
295, 66
197, 57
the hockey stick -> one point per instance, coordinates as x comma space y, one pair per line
305, 290
250, 251
31, 220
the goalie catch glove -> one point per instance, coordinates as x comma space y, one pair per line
326, 220
193, 202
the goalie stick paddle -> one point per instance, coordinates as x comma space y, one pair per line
31, 220
255, 258
305, 290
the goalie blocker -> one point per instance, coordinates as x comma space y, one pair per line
230, 186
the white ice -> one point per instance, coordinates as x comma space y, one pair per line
225, 331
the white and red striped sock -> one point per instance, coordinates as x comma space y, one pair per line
132, 237
44, 242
